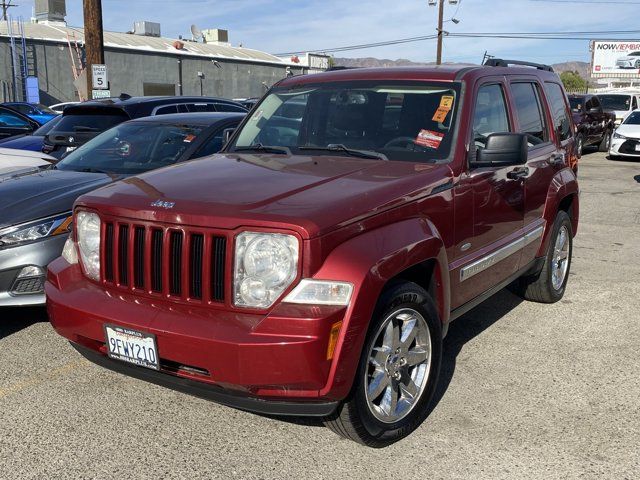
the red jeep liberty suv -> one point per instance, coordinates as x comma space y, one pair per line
313, 267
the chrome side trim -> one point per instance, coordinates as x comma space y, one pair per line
491, 259
499, 255
533, 235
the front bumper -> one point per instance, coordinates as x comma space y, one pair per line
624, 147
13, 260
275, 363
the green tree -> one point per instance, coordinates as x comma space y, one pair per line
573, 82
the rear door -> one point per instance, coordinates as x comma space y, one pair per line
545, 155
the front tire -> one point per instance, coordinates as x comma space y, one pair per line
398, 370
548, 285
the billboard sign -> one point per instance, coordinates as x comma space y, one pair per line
616, 58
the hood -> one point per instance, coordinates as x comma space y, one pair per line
24, 142
29, 195
632, 131
307, 194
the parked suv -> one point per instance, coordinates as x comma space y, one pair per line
594, 126
84, 121
313, 268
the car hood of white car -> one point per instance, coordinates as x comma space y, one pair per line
12, 160
631, 131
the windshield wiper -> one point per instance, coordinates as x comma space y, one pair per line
258, 147
339, 147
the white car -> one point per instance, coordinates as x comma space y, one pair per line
59, 107
626, 138
632, 60
621, 104
13, 161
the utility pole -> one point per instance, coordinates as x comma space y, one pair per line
6, 6
93, 39
440, 31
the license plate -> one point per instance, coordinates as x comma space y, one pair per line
132, 346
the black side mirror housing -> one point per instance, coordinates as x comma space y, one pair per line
502, 150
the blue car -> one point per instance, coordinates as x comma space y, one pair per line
33, 141
35, 111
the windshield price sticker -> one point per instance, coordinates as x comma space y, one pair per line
429, 138
446, 104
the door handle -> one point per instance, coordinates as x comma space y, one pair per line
518, 172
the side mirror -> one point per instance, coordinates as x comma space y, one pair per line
502, 150
226, 135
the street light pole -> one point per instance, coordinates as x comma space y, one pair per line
440, 32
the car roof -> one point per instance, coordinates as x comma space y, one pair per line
199, 118
446, 73
126, 100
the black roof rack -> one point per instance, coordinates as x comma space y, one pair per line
499, 62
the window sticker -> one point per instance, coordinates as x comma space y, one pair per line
429, 138
446, 104
189, 138
440, 115
256, 116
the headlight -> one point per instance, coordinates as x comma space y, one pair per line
36, 230
88, 230
617, 135
265, 265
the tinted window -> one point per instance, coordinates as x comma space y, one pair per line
595, 102
132, 148
26, 109
529, 112
634, 104
319, 119
87, 123
167, 110
201, 107
47, 127
576, 103
9, 119
227, 107
490, 115
632, 119
212, 145
559, 113
616, 102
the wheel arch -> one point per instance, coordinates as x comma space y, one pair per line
563, 195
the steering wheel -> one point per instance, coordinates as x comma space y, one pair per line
400, 142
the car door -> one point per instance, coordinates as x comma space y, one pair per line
485, 253
545, 155
14, 123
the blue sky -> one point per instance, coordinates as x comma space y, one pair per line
291, 25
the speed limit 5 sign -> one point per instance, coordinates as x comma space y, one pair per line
100, 77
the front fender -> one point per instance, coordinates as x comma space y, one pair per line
563, 184
369, 261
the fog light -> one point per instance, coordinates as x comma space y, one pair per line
31, 271
321, 292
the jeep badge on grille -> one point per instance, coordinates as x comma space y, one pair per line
163, 204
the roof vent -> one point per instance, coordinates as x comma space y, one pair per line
50, 11
146, 29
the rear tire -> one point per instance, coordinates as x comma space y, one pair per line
369, 415
548, 285
605, 143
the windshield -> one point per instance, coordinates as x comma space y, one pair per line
409, 121
576, 103
87, 123
632, 119
132, 148
47, 127
615, 102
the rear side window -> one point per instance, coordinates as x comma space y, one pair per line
167, 110
490, 115
226, 107
559, 111
201, 107
529, 112
9, 119
634, 103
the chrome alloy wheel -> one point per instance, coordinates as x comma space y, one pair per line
560, 258
399, 364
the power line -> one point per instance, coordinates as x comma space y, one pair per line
574, 35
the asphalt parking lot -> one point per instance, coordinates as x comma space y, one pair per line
527, 390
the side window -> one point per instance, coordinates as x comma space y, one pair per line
25, 109
529, 112
167, 110
9, 119
227, 107
490, 115
212, 145
634, 103
201, 107
559, 112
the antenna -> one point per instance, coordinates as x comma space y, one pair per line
196, 33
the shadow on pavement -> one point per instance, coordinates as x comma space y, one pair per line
15, 319
637, 178
461, 331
